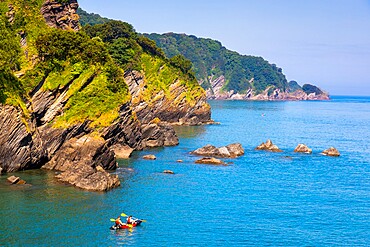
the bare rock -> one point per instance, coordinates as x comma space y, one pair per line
168, 172
173, 109
149, 157
269, 146
88, 178
229, 151
159, 135
61, 14
331, 152
235, 149
208, 150
13, 179
122, 151
20, 145
82, 162
210, 161
21, 182
302, 148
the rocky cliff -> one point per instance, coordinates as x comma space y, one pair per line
70, 107
61, 14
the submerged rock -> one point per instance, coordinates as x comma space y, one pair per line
302, 148
210, 161
149, 157
229, 151
269, 146
168, 172
331, 152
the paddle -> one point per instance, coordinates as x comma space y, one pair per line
125, 215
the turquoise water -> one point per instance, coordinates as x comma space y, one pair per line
261, 198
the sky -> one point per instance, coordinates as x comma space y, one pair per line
322, 42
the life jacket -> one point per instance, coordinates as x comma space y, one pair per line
118, 222
129, 220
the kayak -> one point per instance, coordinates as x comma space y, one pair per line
126, 226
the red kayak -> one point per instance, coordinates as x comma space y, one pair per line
126, 226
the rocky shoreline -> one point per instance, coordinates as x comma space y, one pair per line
216, 92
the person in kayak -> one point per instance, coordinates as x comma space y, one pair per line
118, 222
129, 220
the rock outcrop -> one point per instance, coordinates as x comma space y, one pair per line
122, 151
269, 146
172, 110
20, 143
210, 161
331, 152
61, 14
230, 151
302, 148
168, 172
159, 135
82, 162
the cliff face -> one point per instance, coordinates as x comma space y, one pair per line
173, 109
74, 116
61, 15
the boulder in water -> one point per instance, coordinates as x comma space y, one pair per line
229, 151
13, 179
168, 172
269, 146
302, 148
331, 152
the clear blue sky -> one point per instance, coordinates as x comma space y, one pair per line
324, 42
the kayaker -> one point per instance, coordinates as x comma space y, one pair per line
118, 222
129, 220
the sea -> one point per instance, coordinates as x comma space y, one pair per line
258, 199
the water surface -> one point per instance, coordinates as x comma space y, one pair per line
261, 198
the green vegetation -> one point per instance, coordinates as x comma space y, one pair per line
90, 18
85, 68
136, 52
211, 59
294, 86
308, 89
96, 87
